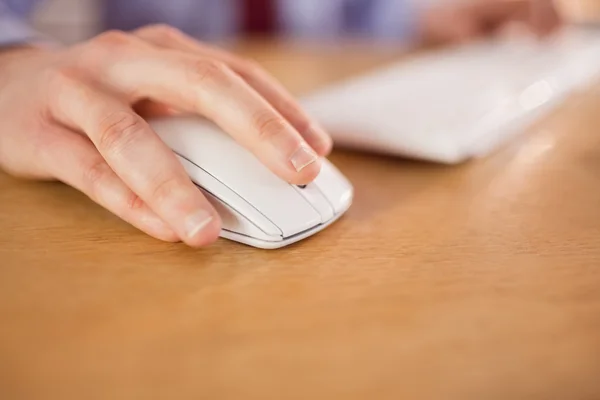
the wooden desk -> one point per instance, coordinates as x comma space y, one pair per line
475, 282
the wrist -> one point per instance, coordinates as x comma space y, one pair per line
12, 59
10, 53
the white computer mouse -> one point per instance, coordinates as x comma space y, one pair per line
257, 207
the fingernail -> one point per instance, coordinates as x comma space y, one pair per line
303, 157
197, 222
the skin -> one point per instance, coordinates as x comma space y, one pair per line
77, 114
465, 20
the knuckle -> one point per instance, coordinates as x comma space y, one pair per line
163, 31
95, 174
101, 49
134, 202
113, 38
62, 76
58, 80
164, 188
268, 124
119, 130
208, 72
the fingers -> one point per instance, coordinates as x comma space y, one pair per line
540, 16
72, 159
256, 77
544, 17
152, 109
140, 159
475, 18
450, 24
209, 88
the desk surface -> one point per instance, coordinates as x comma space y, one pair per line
474, 282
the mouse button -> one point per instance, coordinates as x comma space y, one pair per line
250, 180
233, 221
317, 200
240, 171
228, 196
334, 186
279, 202
193, 137
262, 195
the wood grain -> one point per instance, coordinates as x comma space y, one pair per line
480, 281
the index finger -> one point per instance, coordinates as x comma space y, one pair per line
209, 88
274, 92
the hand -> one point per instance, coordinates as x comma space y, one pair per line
464, 20
75, 115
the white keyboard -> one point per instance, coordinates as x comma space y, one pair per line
460, 103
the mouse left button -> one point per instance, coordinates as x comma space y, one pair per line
209, 184
234, 222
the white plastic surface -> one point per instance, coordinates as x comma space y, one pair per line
317, 200
269, 245
235, 204
256, 207
335, 187
460, 103
234, 222
236, 168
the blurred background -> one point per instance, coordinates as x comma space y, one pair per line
74, 20
68, 20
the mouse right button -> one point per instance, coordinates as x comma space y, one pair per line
335, 187
317, 200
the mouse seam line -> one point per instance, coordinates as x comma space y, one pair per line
326, 199
233, 191
295, 236
240, 214
310, 204
253, 238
